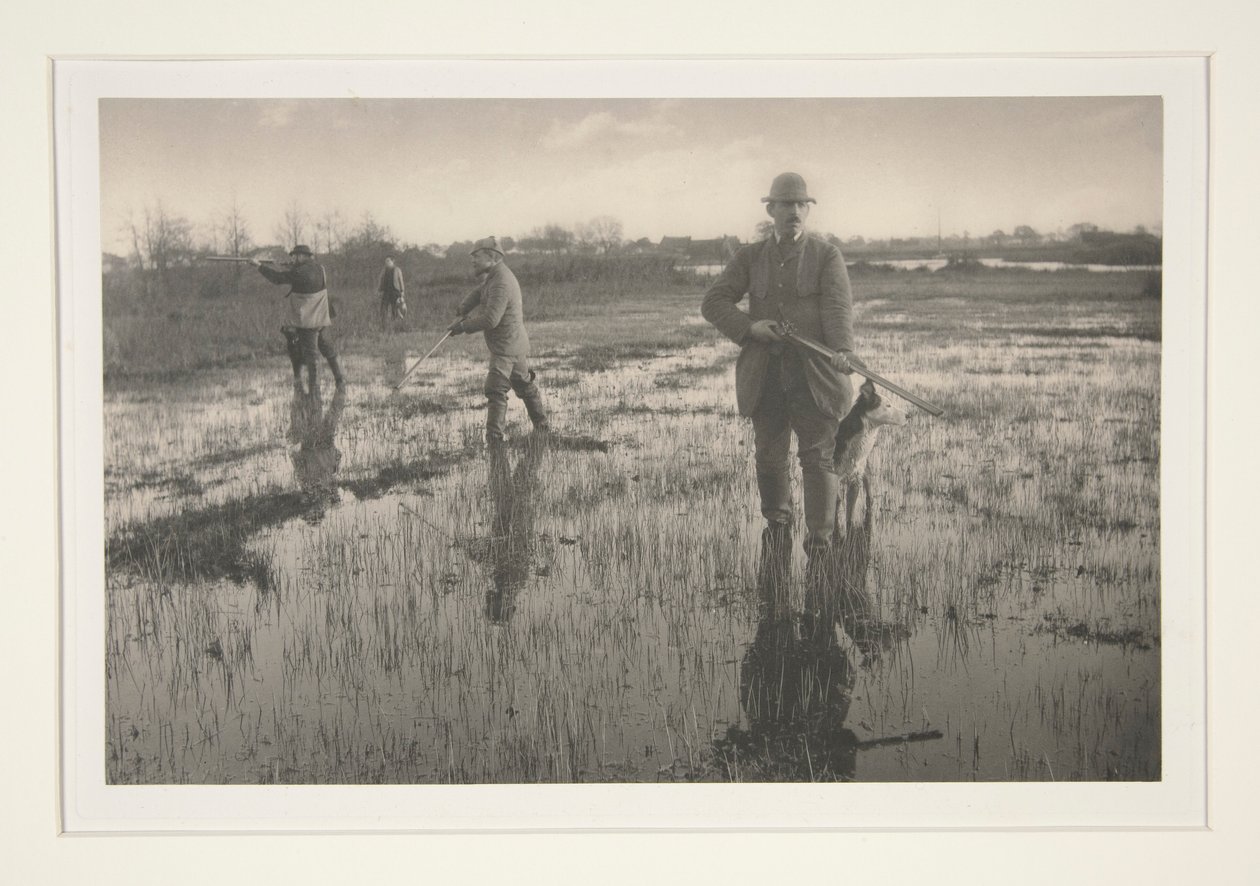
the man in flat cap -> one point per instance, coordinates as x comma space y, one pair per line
309, 316
494, 308
802, 279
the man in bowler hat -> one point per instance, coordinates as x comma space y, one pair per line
793, 276
308, 317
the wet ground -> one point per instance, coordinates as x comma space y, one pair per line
355, 589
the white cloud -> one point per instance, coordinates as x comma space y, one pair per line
604, 124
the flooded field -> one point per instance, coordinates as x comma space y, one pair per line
355, 590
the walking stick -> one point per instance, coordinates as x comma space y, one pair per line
789, 332
407, 374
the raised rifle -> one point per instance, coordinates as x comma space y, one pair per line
788, 331
243, 259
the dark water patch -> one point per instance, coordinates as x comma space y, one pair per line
1138, 334
569, 443
412, 407
181, 484
228, 456
598, 358
643, 409
408, 473
204, 544
1064, 627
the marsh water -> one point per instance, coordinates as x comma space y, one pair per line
373, 595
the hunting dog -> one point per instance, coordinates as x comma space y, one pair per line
855, 439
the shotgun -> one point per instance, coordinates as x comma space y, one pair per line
788, 331
241, 259
407, 374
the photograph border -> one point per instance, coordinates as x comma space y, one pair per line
1178, 800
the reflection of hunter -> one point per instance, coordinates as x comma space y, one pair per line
515, 495
316, 457
495, 308
309, 315
796, 680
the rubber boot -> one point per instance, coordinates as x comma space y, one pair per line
820, 520
528, 391
537, 412
775, 489
496, 421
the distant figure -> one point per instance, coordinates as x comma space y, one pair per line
495, 308
791, 276
306, 328
392, 291
316, 458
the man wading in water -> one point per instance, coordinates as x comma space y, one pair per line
308, 318
796, 277
495, 308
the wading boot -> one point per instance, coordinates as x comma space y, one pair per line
775, 489
537, 413
820, 523
496, 421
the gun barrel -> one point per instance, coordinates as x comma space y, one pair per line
824, 351
231, 258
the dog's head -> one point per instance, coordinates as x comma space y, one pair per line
875, 409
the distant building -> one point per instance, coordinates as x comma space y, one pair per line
719, 249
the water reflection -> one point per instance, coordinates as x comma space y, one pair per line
797, 678
314, 452
514, 495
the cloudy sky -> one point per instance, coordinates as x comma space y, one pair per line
438, 170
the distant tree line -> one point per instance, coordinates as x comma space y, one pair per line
162, 241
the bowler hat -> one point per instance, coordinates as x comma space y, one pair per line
301, 249
789, 188
490, 243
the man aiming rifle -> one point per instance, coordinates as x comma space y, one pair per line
309, 316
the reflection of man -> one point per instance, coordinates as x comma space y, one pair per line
515, 495
309, 316
795, 687
391, 288
796, 680
791, 276
316, 457
495, 308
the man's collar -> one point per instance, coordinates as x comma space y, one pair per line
796, 239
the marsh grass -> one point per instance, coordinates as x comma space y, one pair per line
584, 610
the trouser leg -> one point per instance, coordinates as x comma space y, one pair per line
329, 350
772, 438
815, 443
496, 390
293, 347
522, 382
309, 346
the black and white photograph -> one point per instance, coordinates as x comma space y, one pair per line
464, 437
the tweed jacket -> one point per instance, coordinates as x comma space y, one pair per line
495, 308
822, 310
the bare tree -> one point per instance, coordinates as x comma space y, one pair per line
332, 228
162, 241
604, 232
292, 228
237, 240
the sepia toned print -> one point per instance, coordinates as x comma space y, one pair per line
908, 529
